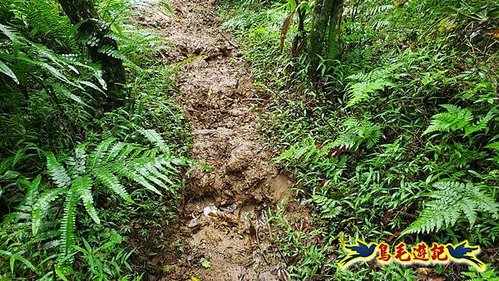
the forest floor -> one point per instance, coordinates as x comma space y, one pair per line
222, 232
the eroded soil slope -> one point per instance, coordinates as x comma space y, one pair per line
222, 232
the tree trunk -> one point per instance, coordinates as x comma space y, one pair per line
100, 47
325, 35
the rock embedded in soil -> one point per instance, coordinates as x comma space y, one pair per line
240, 159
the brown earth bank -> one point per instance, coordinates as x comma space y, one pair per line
222, 232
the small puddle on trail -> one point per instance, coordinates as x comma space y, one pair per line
222, 232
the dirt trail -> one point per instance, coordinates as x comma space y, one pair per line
222, 232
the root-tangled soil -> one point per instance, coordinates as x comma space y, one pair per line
222, 232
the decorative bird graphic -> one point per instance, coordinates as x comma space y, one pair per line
463, 252
360, 251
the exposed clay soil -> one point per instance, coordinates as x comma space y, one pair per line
222, 219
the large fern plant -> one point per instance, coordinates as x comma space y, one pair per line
362, 86
459, 119
355, 132
110, 165
451, 201
23, 62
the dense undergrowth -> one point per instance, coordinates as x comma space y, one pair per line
79, 184
400, 142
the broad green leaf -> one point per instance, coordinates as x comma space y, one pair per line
7, 71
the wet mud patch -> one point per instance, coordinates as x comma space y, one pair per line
222, 231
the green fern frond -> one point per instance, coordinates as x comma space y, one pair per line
357, 132
78, 162
457, 118
363, 85
454, 119
493, 145
11, 34
45, 20
329, 208
108, 180
131, 174
161, 168
96, 157
296, 151
83, 186
378, 9
146, 168
56, 171
32, 192
114, 151
154, 137
68, 221
156, 172
480, 125
108, 164
41, 207
23, 57
110, 161
128, 151
361, 91
451, 201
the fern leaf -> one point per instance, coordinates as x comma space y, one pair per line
41, 206
480, 125
115, 150
95, 158
24, 210
493, 145
55, 72
361, 91
107, 179
133, 175
296, 150
56, 171
83, 186
129, 172
129, 151
66, 93
158, 168
90, 85
454, 119
451, 201
154, 137
147, 174
68, 222
469, 207
355, 133
484, 202
10, 34
328, 207
80, 159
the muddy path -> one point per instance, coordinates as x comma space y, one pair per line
222, 233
